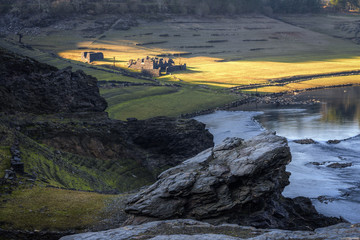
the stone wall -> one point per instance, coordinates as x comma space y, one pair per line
154, 66
175, 68
91, 56
151, 72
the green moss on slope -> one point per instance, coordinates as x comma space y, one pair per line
66, 170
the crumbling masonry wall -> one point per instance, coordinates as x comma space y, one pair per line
91, 56
154, 66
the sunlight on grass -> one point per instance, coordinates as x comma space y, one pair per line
320, 82
225, 53
211, 71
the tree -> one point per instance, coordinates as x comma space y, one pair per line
340, 4
345, 4
294, 6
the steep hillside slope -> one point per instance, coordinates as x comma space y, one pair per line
55, 135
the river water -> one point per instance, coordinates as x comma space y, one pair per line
334, 191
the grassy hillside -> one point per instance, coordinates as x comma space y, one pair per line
219, 52
37, 203
142, 102
39, 209
65, 170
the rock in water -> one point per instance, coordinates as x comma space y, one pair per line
235, 182
305, 141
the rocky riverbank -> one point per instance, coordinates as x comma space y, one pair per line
235, 183
251, 102
55, 120
186, 229
54, 134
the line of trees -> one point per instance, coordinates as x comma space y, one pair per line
199, 7
346, 4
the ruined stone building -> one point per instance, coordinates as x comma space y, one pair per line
91, 56
154, 66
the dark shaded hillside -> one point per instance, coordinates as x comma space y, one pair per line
30, 86
65, 139
67, 7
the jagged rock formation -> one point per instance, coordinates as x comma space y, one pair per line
235, 182
29, 86
185, 229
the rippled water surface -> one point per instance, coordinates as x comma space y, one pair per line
337, 117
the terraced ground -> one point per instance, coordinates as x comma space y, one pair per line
221, 53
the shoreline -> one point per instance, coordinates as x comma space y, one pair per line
278, 99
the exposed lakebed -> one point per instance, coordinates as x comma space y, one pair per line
334, 191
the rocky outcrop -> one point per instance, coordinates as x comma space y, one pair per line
235, 182
29, 86
157, 143
333, 141
166, 138
339, 165
185, 229
305, 141
79, 125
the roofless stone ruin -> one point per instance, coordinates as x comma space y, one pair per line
155, 66
91, 56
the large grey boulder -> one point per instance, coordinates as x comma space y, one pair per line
186, 229
235, 182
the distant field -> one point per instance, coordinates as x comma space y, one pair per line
229, 52
219, 52
320, 82
337, 25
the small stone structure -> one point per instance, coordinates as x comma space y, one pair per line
154, 66
91, 56
16, 163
